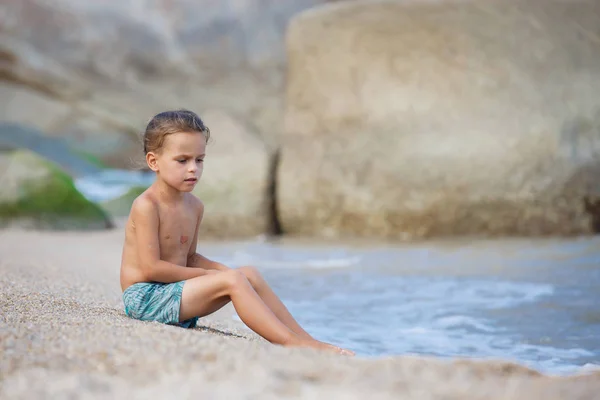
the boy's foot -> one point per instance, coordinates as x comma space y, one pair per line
347, 352
344, 352
315, 344
339, 350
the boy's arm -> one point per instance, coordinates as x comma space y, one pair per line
199, 261
145, 218
196, 260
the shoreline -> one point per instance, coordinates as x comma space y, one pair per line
63, 332
449, 242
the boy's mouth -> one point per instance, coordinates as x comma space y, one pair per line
191, 180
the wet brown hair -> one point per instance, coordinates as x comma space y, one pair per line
169, 122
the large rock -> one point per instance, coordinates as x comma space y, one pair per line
236, 180
95, 72
37, 194
412, 120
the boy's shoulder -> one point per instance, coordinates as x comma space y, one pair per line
144, 203
143, 212
195, 202
147, 204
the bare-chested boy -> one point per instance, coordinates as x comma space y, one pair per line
163, 278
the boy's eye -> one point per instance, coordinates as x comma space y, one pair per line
199, 160
181, 161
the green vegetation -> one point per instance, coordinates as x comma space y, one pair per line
38, 193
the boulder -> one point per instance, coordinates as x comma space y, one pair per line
37, 194
236, 180
414, 120
95, 72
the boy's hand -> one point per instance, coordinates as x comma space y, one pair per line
211, 271
198, 261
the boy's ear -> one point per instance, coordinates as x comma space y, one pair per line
151, 161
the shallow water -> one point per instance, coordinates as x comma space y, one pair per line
109, 184
531, 301
536, 302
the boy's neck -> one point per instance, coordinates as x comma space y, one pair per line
166, 193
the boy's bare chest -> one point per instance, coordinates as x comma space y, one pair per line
176, 232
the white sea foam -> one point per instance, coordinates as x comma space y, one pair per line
98, 192
445, 317
111, 183
457, 321
245, 257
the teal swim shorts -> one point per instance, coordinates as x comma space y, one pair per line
156, 302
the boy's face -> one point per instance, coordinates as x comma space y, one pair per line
180, 162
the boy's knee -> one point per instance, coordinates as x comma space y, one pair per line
252, 274
235, 278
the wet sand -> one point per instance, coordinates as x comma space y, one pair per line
63, 334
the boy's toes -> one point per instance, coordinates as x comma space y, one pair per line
345, 352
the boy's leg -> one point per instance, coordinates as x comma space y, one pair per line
276, 305
206, 294
272, 300
264, 291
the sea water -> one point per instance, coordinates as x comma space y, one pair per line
536, 302
110, 183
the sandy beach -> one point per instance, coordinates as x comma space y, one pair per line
63, 334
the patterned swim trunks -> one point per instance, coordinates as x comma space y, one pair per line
156, 302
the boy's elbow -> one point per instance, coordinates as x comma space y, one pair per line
150, 270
